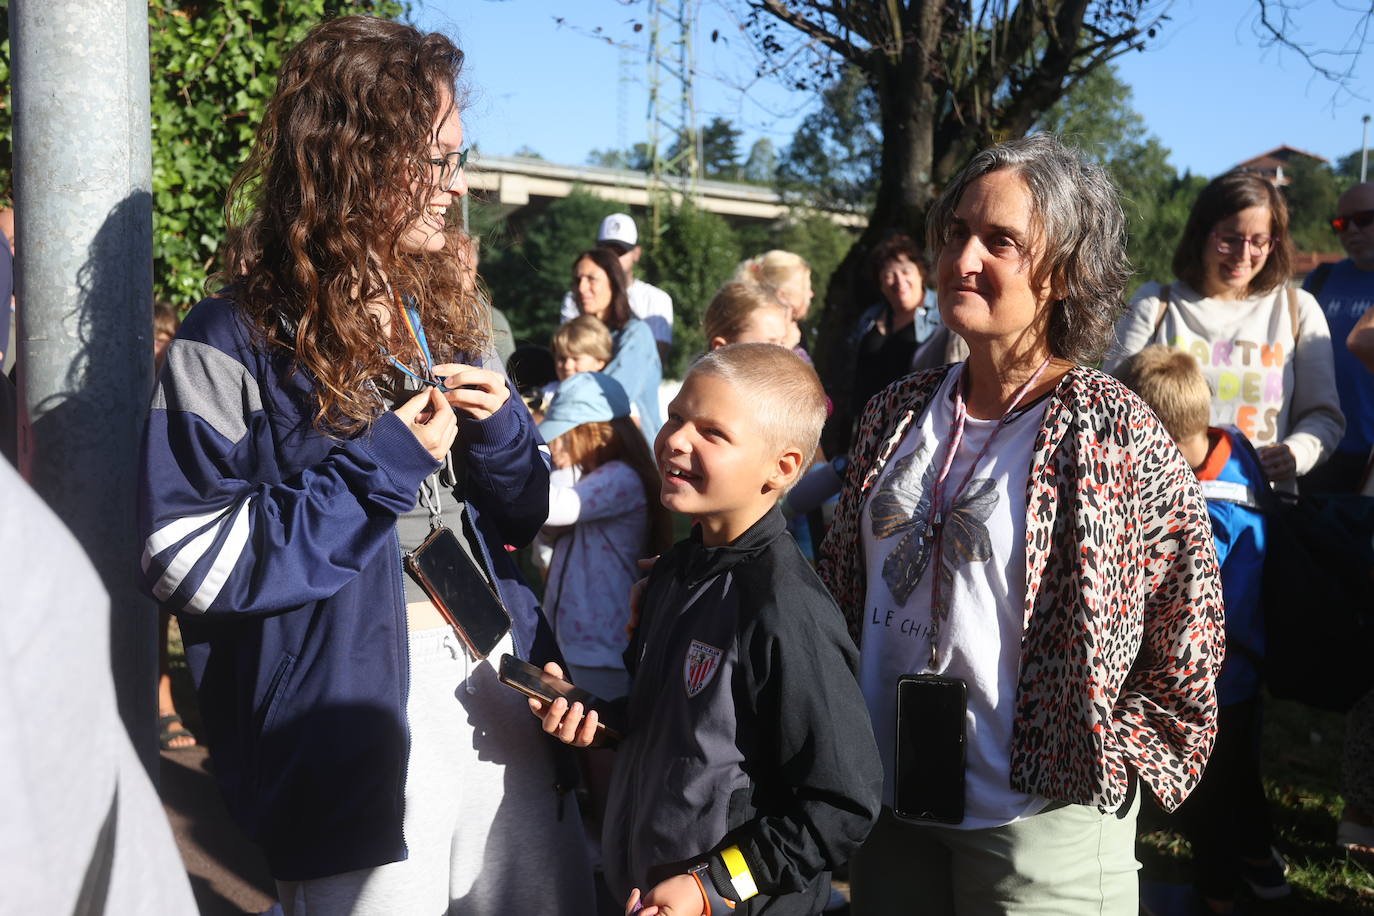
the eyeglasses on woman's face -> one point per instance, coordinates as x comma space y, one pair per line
1360, 219
448, 168
1230, 244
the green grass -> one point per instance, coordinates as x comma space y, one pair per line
1302, 765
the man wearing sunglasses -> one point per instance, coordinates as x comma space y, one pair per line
1346, 293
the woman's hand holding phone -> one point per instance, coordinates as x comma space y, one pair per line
572, 725
428, 417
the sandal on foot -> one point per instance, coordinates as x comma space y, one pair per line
170, 728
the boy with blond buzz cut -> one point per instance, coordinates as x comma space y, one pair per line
1226, 818
748, 768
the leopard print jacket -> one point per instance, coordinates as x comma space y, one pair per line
1123, 629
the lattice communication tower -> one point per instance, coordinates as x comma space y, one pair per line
672, 105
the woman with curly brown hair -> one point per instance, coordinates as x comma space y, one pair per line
344, 371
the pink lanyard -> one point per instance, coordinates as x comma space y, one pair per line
939, 508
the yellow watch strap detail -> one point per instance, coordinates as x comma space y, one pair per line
740, 877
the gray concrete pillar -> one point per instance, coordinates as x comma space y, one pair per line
84, 274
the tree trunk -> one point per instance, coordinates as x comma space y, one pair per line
908, 96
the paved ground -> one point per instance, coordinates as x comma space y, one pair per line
230, 878
228, 874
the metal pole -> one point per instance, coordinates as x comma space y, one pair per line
1364, 152
83, 207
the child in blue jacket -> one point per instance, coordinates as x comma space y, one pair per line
1226, 819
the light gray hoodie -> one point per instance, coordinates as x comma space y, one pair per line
1274, 387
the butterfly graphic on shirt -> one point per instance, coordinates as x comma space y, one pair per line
901, 506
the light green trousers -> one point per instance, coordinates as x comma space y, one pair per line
1065, 861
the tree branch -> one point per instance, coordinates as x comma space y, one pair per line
835, 43
1279, 35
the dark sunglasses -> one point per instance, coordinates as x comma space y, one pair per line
1359, 220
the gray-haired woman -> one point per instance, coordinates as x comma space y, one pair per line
1027, 564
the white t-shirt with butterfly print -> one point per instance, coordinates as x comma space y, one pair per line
985, 566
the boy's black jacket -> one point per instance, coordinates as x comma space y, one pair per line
745, 727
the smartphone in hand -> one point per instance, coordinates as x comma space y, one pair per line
534, 682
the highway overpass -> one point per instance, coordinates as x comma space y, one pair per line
518, 182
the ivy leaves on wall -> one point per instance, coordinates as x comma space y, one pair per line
214, 65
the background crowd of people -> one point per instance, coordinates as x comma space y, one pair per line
1042, 516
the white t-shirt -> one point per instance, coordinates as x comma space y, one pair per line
648, 302
985, 554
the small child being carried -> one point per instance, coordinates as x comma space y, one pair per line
581, 345
748, 768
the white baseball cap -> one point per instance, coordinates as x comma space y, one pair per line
618, 227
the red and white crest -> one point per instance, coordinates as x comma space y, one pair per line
699, 666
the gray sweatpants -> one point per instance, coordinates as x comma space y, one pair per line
481, 817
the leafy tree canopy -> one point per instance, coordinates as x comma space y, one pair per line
720, 155
527, 259
833, 159
695, 253
638, 158
214, 66
952, 77
1097, 117
1348, 167
527, 266
761, 164
1312, 190
719, 149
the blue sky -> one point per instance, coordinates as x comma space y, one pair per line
1208, 88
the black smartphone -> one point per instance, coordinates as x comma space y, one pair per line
460, 591
535, 682
930, 753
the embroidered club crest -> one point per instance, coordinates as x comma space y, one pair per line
699, 666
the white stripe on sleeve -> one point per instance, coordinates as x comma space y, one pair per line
175, 530
186, 558
225, 561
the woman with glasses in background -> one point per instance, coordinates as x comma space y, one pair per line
1263, 345
336, 401
1266, 352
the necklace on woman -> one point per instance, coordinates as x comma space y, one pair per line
941, 507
